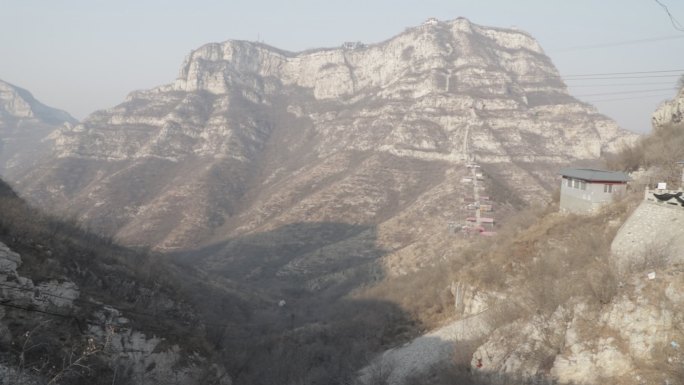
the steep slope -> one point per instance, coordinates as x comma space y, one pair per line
76, 309
24, 124
555, 304
249, 138
592, 299
670, 113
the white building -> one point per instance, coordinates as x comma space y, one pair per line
585, 190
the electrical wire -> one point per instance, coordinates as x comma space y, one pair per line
644, 97
581, 77
9, 304
622, 84
627, 73
617, 43
621, 77
624, 92
675, 23
155, 317
86, 302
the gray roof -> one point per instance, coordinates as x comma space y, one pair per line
589, 174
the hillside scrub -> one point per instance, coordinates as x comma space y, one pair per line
539, 260
534, 274
310, 340
57, 344
425, 294
660, 151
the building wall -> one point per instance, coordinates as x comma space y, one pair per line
587, 196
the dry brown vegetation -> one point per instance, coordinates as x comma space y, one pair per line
539, 260
542, 260
138, 284
659, 151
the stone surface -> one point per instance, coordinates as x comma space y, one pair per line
145, 358
670, 112
651, 236
9, 260
429, 350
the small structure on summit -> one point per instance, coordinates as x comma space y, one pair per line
352, 45
585, 190
431, 21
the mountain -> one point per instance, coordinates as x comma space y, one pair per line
305, 180
249, 138
24, 124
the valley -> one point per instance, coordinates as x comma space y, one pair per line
369, 214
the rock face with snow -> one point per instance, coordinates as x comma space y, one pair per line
24, 124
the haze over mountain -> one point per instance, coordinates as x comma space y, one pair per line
250, 137
24, 123
296, 187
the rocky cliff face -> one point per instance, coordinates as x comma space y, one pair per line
612, 313
24, 124
73, 311
108, 338
249, 137
670, 112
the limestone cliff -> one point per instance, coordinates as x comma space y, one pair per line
670, 112
250, 137
24, 124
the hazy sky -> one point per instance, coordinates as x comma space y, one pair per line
85, 55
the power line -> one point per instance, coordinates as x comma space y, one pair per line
622, 77
627, 73
643, 97
8, 304
87, 302
618, 43
622, 84
675, 23
625, 92
575, 77
251, 336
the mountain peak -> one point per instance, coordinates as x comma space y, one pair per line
16, 102
453, 46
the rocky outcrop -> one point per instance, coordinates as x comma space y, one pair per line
651, 237
636, 334
426, 352
670, 112
110, 338
633, 340
24, 125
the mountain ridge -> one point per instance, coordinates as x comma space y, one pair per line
25, 124
19, 102
242, 119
